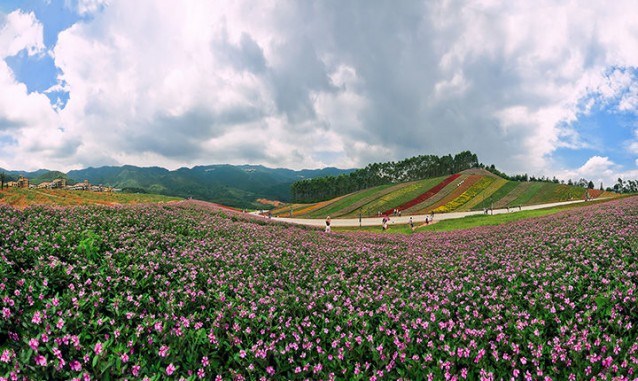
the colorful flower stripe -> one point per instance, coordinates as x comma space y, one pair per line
456, 191
423, 197
469, 192
484, 195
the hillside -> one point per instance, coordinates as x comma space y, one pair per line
237, 186
473, 189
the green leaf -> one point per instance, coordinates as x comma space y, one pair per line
602, 301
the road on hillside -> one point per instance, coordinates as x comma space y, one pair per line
418, 219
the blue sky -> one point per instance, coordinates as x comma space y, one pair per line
549, 89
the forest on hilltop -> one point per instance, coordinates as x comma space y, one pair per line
410, 169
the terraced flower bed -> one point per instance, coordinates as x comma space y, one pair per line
465, 192
515, 190
400, 195
425, 196
525, 197
187, 291
479, 201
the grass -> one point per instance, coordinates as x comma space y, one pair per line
466, 222
525, 197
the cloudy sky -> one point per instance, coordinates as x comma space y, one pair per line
544, 87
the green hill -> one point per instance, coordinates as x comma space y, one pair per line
237, 186
473, 189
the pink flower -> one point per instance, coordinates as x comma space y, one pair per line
98, 348
270, 370
163, 352
37, 318
75, 365
34, 343
136, 370
607, 362
124, 357
6, 356
40, 360
170, 369
205, 361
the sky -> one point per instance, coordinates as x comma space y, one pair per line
548, 88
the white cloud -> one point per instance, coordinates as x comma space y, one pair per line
21, 31
303, 84
599, 170
26, 119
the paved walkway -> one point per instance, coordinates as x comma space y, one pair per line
418, 219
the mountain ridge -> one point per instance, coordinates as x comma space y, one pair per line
234, 185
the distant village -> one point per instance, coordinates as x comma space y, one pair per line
23, 182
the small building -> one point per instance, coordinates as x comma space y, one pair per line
22, 182
58, 183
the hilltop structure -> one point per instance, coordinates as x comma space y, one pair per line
60, 183
22, 182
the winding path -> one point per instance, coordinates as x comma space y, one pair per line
418, 219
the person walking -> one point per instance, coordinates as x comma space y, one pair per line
384, 222
411, 224
328, 230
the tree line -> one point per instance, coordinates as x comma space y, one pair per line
627, 186
621, 186
411, 169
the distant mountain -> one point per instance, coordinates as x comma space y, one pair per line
238, 186
14, 175
48, 176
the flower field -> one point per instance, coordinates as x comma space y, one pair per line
189, 291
